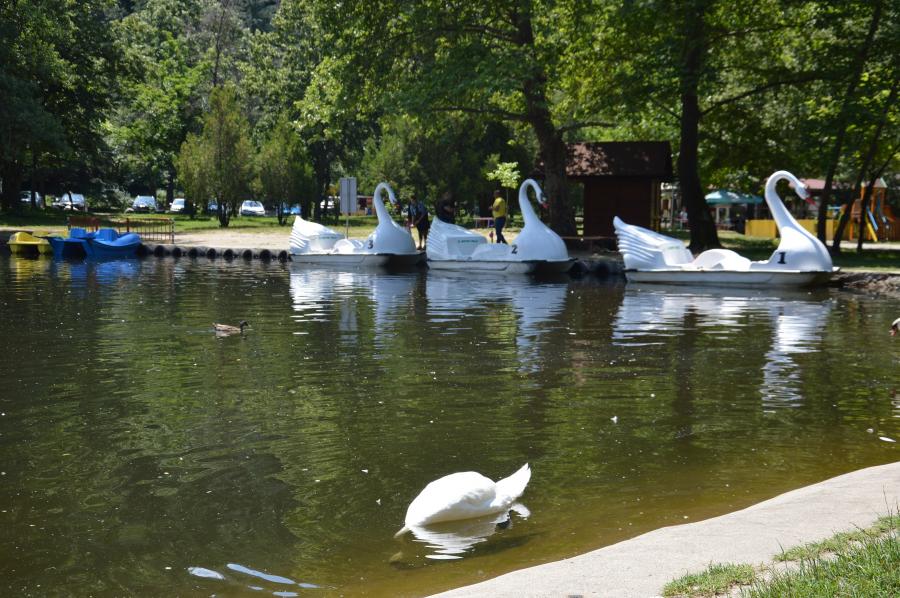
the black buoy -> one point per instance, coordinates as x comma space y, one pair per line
265, 255
211, 253
228, 254
159, 251
247, 254
283, 256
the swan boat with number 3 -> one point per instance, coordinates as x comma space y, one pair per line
452, 247
389, 244
800, 259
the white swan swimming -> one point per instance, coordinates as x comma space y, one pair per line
312, 242
895, 327
464, 495
452, 247
800, 258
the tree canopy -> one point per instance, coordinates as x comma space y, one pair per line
433, 96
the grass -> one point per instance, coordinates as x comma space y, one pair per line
869, 567
715, 580
861, 563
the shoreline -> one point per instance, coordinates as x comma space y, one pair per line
641, 566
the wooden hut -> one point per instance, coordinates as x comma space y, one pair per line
620, 178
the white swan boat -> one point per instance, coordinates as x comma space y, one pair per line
452, 247
313, 243
800, 259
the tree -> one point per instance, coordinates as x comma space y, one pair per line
507, 59
507, 174
53, 92
221, 155
285, 174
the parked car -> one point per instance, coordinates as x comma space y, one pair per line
177, 205
70, 201
296, 210
252, 208
25, 196
144, 203
212, 207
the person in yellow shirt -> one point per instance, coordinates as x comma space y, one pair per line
499, 213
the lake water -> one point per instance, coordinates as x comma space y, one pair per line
142, 455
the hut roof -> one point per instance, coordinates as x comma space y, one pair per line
632, 159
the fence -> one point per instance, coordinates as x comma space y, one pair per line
161, 230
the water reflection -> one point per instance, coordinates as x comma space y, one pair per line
648, 315
451, 297
451, 540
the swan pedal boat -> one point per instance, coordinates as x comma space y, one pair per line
390, 244
23, 242
800, 259
452, 247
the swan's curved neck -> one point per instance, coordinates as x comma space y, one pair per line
380, 210
528, 214
779, 211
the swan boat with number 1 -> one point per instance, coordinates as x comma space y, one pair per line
452, 247
800, 259
389, 244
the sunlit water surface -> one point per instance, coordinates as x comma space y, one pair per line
141, 454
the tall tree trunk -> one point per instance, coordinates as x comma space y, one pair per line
12, 175
859, 62
703, 229
552, 147
874, 142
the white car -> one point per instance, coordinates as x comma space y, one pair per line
177, 205
252, 208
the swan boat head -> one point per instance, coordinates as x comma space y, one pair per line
799, 249
388, 237
536, 241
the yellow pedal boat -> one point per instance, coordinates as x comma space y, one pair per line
23, 242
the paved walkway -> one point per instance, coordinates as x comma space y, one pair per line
641, 566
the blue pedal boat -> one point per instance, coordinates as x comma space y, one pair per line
106, 243
109, 244
75, 245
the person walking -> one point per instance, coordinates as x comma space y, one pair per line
498, 210
418, 217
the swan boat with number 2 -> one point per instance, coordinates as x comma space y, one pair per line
312, 243
452, 247
800, 259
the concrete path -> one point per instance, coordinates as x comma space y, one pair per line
641, 566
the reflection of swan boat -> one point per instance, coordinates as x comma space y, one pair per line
451, 295
799, 260
796, 320
452, 247
313, 243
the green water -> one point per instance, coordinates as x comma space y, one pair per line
139, 452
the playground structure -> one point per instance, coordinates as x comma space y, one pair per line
881, 223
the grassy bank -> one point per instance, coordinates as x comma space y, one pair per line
865, 562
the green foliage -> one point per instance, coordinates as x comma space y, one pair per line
717, 579
869, 566
53, 92
505, 173
219, 162
285, 174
